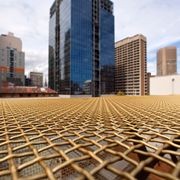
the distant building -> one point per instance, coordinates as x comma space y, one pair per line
148, 83
36, 79
45, 83
11, 60
167, 61
165, 85
27, 81
81, 47
130, 66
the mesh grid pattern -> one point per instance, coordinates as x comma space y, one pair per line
91, 138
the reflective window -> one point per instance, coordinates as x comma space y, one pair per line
52, 38
71, 47
65, 33
81, 47
107, 51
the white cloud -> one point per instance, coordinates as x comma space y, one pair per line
157, 20
36, 61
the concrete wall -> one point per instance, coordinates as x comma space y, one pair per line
165, 85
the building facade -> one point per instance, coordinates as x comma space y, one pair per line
148, 82
36, 79
130, 66
81, 47
165, 85
11, 60
27, 81
167, 61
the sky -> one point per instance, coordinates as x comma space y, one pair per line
158, 20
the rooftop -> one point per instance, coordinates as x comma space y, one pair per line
130, 39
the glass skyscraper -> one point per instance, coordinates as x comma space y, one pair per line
81, 47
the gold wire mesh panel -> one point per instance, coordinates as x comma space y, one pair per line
92, 138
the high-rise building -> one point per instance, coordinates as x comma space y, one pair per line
148, 82
11, 60
167, 61
81, 47
130, 66
36, 79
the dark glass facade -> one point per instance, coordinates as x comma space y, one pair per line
81, 46
65, 46
85, 43
106, 51
52, 47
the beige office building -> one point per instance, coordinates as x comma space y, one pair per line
167, 61
130, 67
11, 60
36, 79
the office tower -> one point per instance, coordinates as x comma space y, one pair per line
81, 47
36, 79
11, 60
167, 61
130, 66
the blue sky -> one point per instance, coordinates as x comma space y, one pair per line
158, 20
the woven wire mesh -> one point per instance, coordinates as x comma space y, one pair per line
92, 138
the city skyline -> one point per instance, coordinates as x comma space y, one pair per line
80, 97
157, 21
